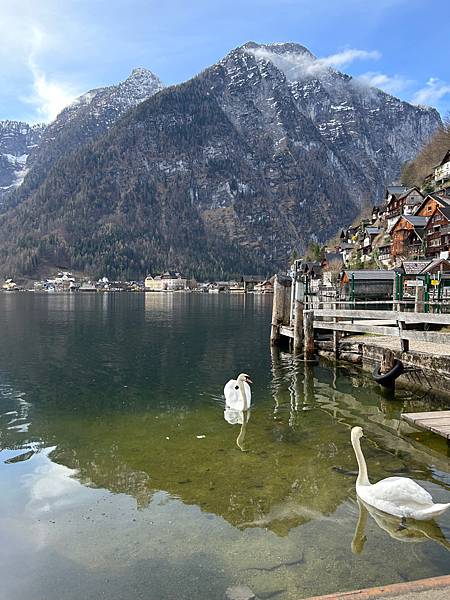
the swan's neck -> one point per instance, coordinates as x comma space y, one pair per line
243, 394
363, 479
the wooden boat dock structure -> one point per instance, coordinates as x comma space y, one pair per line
434, 421
360, 332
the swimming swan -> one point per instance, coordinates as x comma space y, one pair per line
238, 394
399, 496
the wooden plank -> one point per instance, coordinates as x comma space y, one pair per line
418, 336
357, 327
437, 421
426, 414
388, 315
287, 331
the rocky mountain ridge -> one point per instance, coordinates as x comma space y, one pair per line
259, 154
89, 116
17, 141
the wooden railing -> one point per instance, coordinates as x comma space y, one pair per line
389, 323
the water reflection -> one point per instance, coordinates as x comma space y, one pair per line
403, 530
126, 444
240, 417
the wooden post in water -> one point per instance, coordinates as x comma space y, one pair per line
395, 292
299, 293
387, 361
286, 314
277, 312
420, 293
336, 335
308, 328
404, 344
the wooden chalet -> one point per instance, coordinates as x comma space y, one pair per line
403, 203
437, 232
430, 203
442, 170
408, 235
390, 200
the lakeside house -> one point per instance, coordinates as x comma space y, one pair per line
169, 281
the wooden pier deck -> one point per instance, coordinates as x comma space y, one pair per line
437, 421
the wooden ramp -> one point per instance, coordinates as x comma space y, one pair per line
437, 421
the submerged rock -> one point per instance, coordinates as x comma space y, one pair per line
239, 592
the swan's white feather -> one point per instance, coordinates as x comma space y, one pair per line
233, 396
401, 490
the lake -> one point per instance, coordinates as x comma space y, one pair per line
122, 477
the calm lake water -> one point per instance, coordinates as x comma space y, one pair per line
120, 477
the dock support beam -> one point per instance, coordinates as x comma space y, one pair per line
298, 321
336, 336
277, 311
308, 328
420, 294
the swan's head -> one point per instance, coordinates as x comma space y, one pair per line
244, 377
357, 433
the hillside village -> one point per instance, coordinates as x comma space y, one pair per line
409, 231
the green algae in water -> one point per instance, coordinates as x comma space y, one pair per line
121, 475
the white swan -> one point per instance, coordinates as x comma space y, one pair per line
399, 496
238, 394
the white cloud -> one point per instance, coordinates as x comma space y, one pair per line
48, 97
344, 58
390, 84
297, 65
434, 90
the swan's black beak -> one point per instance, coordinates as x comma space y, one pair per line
248, 380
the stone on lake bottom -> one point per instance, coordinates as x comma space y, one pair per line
239, 592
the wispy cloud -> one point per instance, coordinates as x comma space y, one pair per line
434, 90
390, 84
346, 57
48, 97
297, 65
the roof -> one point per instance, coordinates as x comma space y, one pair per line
371, 274
395, 190
416, 221
414, 267
408, 191
346, 245
373, 230
253, 278
445, 210
435, 263
329, 256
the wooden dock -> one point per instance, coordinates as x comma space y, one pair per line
437, 421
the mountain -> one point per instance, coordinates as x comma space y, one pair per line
85, 119
17, 141
228, 172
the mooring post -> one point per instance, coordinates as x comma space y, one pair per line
420, 292
395, 292
308, 328
277, 311
299, 296
286, 314
404, 344
336, 335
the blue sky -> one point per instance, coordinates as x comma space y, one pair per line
54, 50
